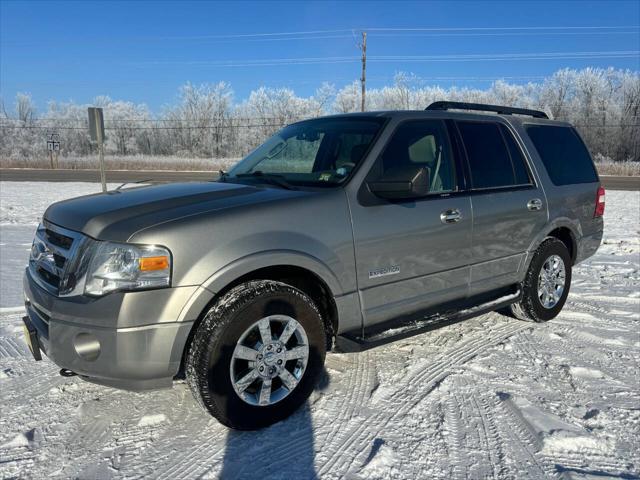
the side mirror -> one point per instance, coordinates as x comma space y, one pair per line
402, 183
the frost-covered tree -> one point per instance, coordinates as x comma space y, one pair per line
25, 109
604, 104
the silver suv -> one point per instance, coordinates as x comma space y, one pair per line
337, 231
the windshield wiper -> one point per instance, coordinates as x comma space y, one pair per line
119, 187
271, 178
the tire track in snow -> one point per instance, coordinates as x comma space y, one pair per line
468, 414
524, 441
11, 348
599, 464
413, 389
361, 379
181, 457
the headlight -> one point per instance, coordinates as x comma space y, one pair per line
121, 266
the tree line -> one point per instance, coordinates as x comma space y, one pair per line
206, 121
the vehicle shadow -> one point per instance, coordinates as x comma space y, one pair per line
285, 450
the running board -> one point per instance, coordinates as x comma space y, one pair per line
350, 342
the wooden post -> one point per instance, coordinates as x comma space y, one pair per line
363, 80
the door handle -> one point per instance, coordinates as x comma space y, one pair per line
534, 204
450, 216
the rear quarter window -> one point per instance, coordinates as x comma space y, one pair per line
563, 153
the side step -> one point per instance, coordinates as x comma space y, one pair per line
403, 328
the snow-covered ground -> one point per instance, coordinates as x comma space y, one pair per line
490, 397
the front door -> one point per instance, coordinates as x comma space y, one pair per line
413, 254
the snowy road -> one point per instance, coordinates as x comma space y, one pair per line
490, 397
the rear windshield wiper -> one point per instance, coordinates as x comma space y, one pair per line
271, 178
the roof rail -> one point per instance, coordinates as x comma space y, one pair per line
481, 107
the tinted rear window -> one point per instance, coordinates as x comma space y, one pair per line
563, 153
489, 159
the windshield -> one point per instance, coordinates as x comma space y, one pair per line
320, 152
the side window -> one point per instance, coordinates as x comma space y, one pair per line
489, 159
423, 143
563, 153
519, 163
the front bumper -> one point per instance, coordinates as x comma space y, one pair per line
132, 340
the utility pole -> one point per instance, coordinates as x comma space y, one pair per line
363, 79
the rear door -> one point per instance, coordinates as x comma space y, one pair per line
409, 254
509, 208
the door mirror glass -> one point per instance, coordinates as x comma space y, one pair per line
402, 183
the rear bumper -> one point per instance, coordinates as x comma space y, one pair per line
588, 245
136, 357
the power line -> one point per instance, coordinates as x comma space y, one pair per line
457, 29
404, 58
320, 34
508, 56
496, 34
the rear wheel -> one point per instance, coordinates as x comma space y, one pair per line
257, 355
546, 284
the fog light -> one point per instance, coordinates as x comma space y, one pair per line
87, 346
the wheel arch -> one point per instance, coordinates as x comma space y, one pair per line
564, 229
318, 286
566, 236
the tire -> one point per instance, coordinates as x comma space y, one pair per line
531, 307
213, 355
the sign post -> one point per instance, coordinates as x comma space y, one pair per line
53, 147
96, 130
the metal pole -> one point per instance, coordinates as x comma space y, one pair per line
103, 178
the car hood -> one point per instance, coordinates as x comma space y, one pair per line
116, 215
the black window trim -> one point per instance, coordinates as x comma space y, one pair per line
527, 167
505, 188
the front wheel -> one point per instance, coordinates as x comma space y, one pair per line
257, 355
546, 284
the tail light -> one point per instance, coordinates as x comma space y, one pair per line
599, 203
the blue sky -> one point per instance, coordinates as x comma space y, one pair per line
143, 51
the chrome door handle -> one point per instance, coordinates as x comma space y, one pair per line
535, 204
450, 216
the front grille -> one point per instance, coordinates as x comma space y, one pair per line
50, 278
52, 252
58, 239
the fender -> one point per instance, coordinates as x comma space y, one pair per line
573, 226
205, 293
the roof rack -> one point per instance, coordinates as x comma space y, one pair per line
481, 107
